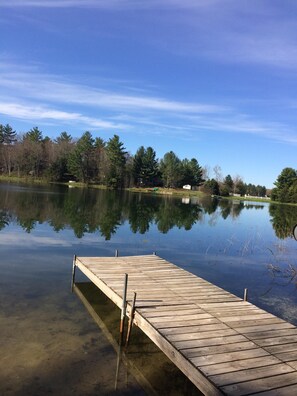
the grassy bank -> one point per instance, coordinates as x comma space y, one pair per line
158, 190
253, 199
259, 200
168, 191
26, 180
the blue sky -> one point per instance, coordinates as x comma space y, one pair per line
210, 79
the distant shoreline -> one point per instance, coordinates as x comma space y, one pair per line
147, 190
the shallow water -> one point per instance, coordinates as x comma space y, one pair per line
50, 344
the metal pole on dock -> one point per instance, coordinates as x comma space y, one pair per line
73, 272
131, 320
245, 295
123, 311
116, 253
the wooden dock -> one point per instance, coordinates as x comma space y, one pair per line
224, 345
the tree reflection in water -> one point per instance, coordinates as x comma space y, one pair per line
90, 210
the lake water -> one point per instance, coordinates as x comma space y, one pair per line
54, 342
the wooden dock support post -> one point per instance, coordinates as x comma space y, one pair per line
73, 272
130, 324
116, 253
245, 295
124, 306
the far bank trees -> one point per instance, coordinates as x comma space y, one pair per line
176, 172
93, 160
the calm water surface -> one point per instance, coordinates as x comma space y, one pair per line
54, 342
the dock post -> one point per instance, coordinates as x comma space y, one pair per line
245, 295
154, 253
73, 272
116, 253
131, 320
124, 305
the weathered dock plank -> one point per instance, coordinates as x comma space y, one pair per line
224, 345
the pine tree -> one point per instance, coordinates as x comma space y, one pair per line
284, 190
150, 168
170, 168
34, 135
7, 140
8, 134
192, 172
145, 166
116, 156
138, 166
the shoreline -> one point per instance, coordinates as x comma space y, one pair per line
145, 190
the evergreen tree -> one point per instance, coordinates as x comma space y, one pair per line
145, 166
261, 191
192, 173
150, 166
284, 190
101, 160
228, 184
63, 138
138, 165
170, 168
8, 135
240, 188
34, 135
116, 156
292, 193
7, 140
251, 189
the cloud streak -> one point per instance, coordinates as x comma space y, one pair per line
50, 98
108, 4
51, 89
37, 113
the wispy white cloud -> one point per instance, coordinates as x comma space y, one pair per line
27, 94
37, 113
52, 89
238, 123
108, 4
243, 125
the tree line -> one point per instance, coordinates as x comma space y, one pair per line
93, 160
